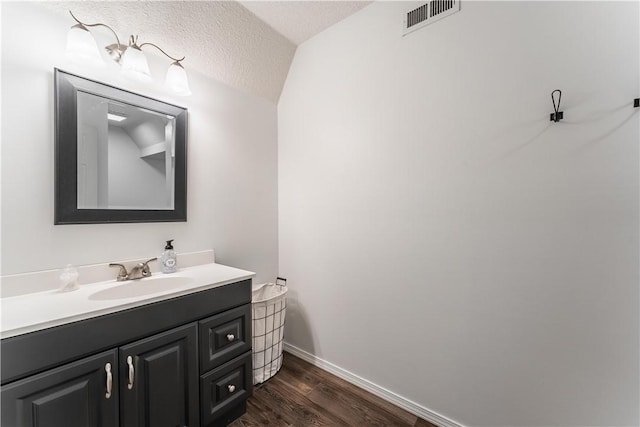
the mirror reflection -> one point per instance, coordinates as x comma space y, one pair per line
126, 155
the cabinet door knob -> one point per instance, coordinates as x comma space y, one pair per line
107, 369
230, 337
231, 388
131, 372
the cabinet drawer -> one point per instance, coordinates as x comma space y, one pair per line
224, 388
224, 336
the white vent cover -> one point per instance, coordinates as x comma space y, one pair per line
427, 13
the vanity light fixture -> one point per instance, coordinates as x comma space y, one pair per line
82, 46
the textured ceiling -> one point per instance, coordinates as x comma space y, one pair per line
220, 39
301, 20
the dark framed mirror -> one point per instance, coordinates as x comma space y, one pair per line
119, 156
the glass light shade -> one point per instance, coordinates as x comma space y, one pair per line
134, 64
82, 47
177, 80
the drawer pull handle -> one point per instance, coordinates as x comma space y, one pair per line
131, 372
231, 388
230, 337
107, 369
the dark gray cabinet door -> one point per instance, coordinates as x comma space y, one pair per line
73, 395
159, 380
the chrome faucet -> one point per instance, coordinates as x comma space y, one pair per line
141, 270
138, 271
122, 273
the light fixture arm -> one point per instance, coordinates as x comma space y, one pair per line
165, 53
98, 24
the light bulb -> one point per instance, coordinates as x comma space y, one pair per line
82, 47
177, 80
134, 64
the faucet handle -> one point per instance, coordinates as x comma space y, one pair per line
146, 271
122, 274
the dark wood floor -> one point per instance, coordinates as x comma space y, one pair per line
301, 394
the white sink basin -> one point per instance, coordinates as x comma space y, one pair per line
141, 287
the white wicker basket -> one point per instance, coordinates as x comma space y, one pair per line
268, 305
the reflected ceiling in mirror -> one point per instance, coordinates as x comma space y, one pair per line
120, 157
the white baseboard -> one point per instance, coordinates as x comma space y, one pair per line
407, 405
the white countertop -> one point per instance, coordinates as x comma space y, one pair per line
35, 311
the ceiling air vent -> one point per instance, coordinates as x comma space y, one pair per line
428, 13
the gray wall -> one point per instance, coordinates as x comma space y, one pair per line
232, 190
445, 241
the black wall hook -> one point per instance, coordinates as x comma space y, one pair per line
557, 115
636, 102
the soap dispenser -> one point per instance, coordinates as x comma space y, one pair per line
169, 259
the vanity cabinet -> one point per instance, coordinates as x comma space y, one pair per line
184, 361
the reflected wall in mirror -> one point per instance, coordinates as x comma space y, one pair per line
125, 155
120, 157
